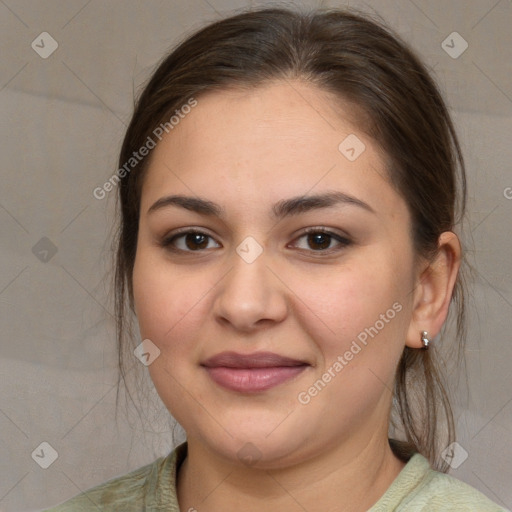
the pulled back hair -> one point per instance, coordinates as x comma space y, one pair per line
365, 65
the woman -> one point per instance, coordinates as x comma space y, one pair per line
289, 187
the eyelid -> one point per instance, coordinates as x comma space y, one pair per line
326, 230
187, 229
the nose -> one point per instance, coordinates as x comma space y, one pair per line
250, 296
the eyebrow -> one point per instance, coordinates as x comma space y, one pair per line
281, 209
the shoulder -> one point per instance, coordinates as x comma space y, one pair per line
441, 492
418, 488
128, 490
140, 489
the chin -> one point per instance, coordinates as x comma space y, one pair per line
261, 453
264, 444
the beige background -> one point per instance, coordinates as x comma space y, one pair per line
62, 122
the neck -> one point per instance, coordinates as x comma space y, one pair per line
340, 478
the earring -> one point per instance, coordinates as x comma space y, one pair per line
425, 340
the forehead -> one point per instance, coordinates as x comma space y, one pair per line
282, 115
280, 139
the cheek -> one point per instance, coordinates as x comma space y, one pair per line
343, 303
167, 304
170, 309
358, 323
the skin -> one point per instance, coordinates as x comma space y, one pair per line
245, 151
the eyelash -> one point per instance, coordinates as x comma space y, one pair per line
343, 242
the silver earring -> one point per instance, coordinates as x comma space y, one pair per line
425, 340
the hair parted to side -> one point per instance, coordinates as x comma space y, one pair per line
366, 66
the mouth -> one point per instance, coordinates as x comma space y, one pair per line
252, 373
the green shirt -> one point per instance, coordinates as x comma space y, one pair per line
153, 488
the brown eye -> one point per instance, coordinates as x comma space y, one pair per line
189, 241
195, 241
320, 240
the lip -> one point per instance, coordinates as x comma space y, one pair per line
251, 373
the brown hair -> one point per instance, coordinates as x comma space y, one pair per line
365, 64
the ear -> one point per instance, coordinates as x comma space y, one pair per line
433, 290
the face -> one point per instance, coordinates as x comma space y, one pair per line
280, 242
